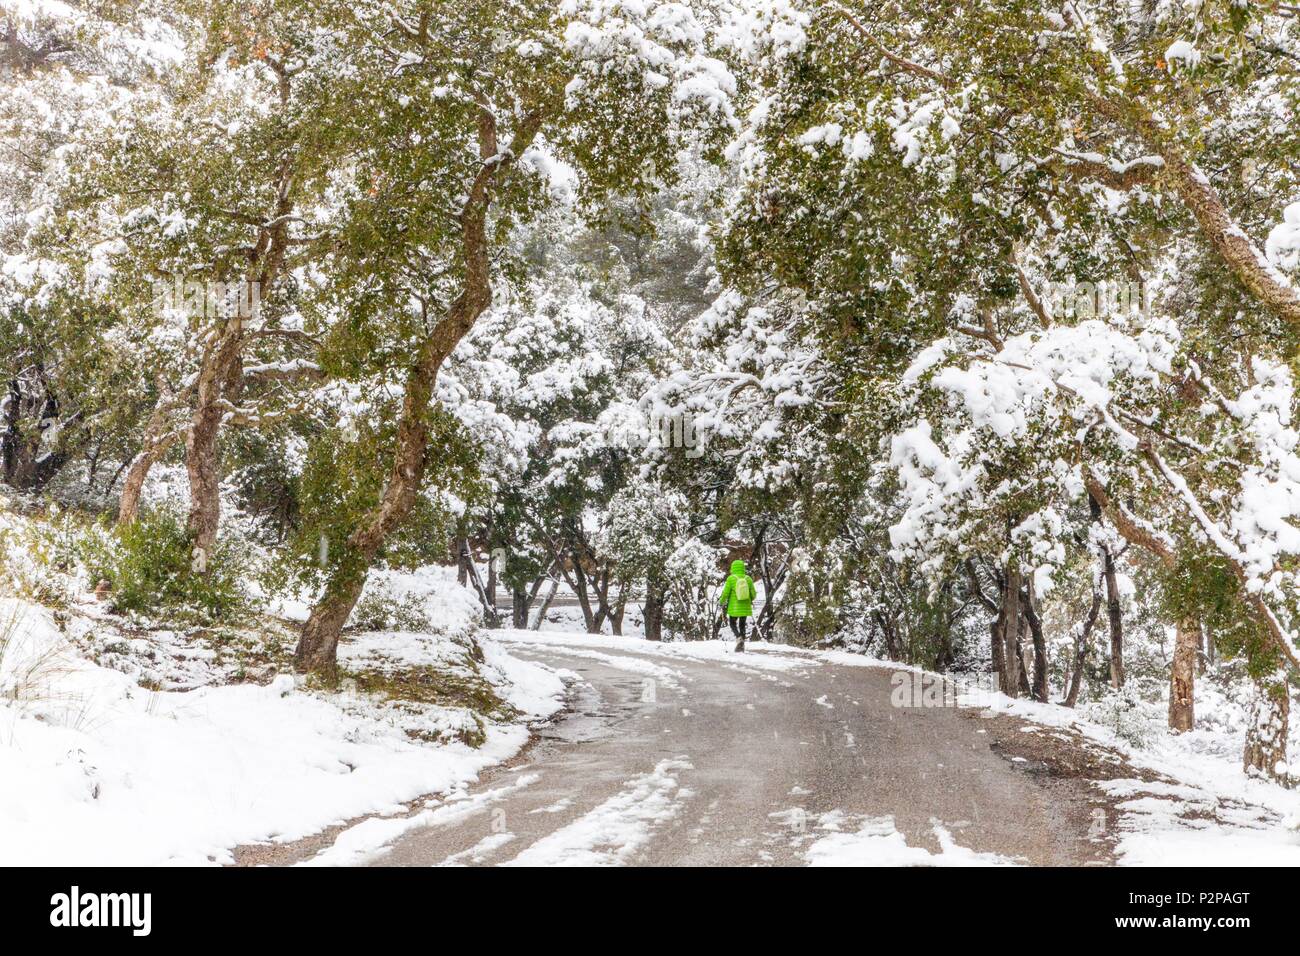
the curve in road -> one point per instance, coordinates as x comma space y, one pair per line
691, 754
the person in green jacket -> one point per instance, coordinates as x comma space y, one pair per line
738, 601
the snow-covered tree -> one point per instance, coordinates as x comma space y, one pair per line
503, 79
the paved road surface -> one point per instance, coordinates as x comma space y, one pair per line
692, 755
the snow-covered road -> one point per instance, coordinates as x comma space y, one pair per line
689, 754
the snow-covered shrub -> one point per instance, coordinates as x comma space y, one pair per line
1129, 713
43, 555
427, 600
692, 593
383, 609
808, 620
150, 564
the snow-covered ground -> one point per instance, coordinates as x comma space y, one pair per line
1209, 813
97, 769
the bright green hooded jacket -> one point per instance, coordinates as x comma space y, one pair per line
735, 606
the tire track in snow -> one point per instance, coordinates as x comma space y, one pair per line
373, 837
612, 833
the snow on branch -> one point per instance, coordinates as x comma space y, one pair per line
1045, 389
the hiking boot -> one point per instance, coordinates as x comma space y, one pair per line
740, 646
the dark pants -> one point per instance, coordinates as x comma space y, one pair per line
737, 625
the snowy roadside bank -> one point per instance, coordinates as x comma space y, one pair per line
1181, 799
114, 772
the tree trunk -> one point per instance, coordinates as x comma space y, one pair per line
945, 655
129, 508
1006, 635
1115, 620
17, 449
157, 440
1223, 234
1082, 640
996, 650
24, 466
1040, 689
1023, 664
219, 371
462, 552
654, 611
219, 378
995, 608
1113, 615
546, 604
490, 589
579, 586
490, 616
520, 602
318, 645
616, 613
1182, 677
202, 464
603, 608
1243, 258
92, 464
889, 633
1267, 730
765, 623
585, 585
